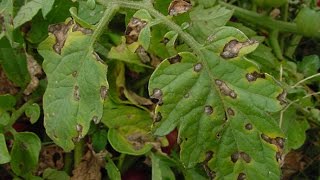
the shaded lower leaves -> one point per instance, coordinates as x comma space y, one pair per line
4, 154
129, 128
25, 153
76, 84
221, 106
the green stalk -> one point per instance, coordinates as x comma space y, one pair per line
261, 20
105, 20
275, 44
68, 163
78, 152
17, 113
293, 44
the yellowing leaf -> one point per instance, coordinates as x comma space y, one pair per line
77, 84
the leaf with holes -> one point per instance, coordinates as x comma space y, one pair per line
222, 106
77, 83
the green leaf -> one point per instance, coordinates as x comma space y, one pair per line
144, 37
205, 3
53, 174
26, 12
306, 25
46, 7
129, 128
203, 21
160, 168
4, 154
113, 171
33, 112
221, 105
309, 65
264, 57
14, 64
100, 140
91, 4
143, 15
76, 87
90, 16
25, 153
6, 9
4, 119
7, 102
126, 53
294, 129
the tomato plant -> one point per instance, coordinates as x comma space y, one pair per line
161, 89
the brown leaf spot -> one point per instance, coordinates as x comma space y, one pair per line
77, 27
133, 30
157, 117
103, 92
74, 74
210, 173
178, 7
60, 32
165, 41
245, 157
248, 126
208, 110
218, 135
197, 67
230, 112
76, 93
224, 89
143, 54
280, 142
157, 96
90, 165
282, 98
51, 156
34, 70
254, 76
266, 138
137, 140
241, 176
6, 86
235, 156
209, 156
279, 158
175, 59
79, 128
232, 48
95, 119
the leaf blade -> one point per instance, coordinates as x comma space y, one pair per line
76, 88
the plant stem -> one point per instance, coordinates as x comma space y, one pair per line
141, 5
68, 163
294, 42
106, 18
120, 161
305, 79
17, 113
263, 21
275, 44
78, 152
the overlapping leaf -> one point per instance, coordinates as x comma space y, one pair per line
77, 84
221, 104
129, 128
